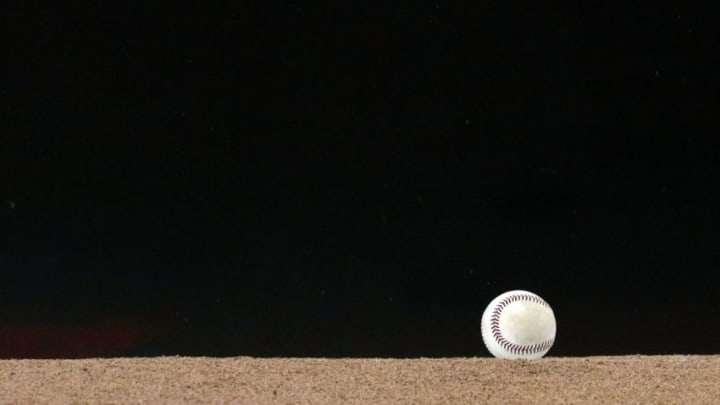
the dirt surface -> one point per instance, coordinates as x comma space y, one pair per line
579, 380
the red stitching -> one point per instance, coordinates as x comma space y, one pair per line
500, 339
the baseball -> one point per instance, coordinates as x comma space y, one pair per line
518, 325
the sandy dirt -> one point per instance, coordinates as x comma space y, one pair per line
579, 380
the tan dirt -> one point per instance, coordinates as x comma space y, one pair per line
245, 380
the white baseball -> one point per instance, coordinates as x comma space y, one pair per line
518, 325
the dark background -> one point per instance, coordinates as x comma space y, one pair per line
357, 179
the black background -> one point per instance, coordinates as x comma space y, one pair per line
356, 179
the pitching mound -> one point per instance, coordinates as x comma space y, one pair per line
621, 379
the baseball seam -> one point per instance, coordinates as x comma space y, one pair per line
502, 341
